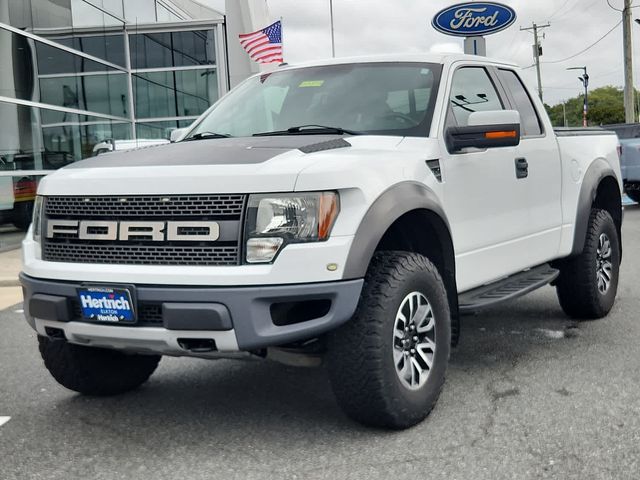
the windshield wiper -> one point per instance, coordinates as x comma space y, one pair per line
203, 135
309, 130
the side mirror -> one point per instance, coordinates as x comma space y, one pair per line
177, 134
493, 129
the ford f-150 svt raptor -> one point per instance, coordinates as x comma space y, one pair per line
348, 210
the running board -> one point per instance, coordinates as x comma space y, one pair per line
507, 289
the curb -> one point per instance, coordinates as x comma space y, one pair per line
10, 248
10, 283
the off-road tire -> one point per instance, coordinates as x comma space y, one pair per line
360, 353
577, 285
95, 371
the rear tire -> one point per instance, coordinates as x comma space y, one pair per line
403, 316
588, 283
95, 371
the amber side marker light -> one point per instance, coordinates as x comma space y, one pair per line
329, 208
495, 135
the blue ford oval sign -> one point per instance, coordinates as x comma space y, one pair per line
474, 19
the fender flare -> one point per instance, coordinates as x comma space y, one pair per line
595, 174
388, 207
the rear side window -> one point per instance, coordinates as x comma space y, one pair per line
530, 122
472, 91
624, 132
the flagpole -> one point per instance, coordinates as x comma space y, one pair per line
333, 40
282, 38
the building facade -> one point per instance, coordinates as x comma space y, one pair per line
76, 74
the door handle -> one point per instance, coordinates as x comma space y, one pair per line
522, 168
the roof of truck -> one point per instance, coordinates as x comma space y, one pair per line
402, 57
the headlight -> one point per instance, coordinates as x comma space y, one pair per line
279, 219
37, 218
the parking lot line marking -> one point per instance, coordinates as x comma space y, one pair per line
4, 420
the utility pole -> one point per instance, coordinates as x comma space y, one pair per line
537, 50
629, 110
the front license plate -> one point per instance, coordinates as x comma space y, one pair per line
106, 304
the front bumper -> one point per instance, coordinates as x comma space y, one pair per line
235, 318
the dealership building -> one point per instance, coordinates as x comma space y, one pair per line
78, 73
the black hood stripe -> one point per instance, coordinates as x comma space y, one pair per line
215, 151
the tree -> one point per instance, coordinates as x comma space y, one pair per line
606, 106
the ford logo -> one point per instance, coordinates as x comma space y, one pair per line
474, 19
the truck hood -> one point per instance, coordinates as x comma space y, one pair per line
226, 165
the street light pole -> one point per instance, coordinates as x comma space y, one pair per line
585, 82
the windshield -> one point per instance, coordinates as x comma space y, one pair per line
372, 98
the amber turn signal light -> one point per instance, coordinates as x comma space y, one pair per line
496, 135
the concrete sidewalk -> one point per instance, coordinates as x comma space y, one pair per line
10, 266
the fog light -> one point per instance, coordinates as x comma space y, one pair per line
262, 250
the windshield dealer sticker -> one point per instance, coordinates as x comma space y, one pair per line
311, 83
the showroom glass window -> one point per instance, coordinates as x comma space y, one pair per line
104, 70
174, 77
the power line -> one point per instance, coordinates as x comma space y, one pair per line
585, 9
612, 7
589, 47
569, 15
558, 10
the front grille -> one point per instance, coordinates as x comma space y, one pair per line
69, 248
148, 314
167, 207
139, 255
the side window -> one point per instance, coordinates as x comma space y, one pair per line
472, 91
529, 119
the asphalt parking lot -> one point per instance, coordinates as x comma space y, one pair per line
529, 394
10, 237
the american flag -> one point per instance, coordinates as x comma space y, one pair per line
264, 46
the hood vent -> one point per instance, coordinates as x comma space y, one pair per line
322, 146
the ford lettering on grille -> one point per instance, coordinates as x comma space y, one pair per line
155, 231
184, 230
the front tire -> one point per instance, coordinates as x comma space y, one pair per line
95, 371
387, 364
588, 283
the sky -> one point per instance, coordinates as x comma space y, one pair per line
365, 27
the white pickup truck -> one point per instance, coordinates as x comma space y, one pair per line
348, 211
